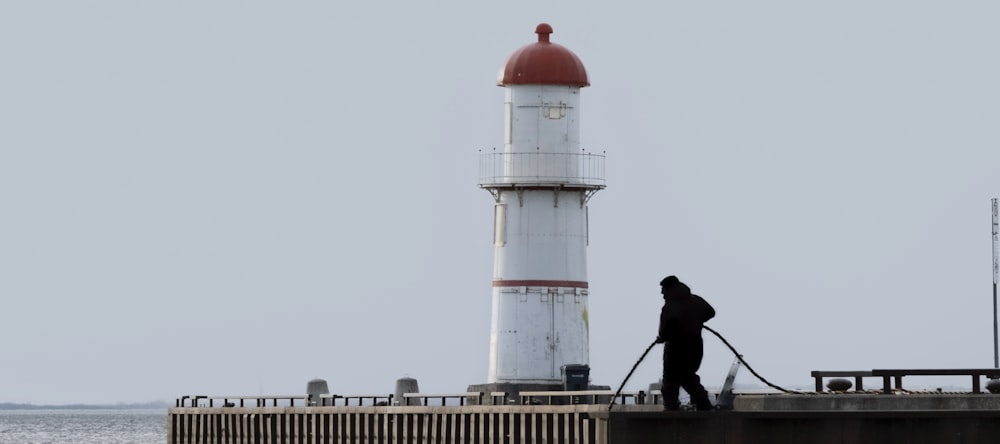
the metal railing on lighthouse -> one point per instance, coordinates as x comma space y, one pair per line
500, 169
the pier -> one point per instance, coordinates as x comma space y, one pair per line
815, 418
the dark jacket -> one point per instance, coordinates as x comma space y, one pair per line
683, 314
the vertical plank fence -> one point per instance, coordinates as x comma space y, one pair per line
541, 424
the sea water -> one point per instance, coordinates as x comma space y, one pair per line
83, 426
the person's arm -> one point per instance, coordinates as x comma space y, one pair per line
664, 331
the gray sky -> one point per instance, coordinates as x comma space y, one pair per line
232, 198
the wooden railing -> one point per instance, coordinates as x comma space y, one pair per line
897, 375
893, 378
411, 399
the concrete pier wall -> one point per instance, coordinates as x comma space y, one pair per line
854, 402
796, 427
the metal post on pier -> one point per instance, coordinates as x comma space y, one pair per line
996, 271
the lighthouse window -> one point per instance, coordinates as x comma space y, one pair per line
500, 225
555, 112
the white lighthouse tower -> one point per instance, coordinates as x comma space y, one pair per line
541, 182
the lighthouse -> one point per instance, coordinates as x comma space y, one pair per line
541, 183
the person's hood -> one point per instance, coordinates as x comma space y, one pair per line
677, 291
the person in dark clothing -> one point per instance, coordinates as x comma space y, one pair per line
681, 320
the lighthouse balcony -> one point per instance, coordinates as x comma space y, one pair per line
504, 170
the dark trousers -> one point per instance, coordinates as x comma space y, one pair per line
681, 360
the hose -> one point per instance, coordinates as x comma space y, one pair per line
629, 375
724, 341
740, 357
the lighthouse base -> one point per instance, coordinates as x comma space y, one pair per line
510, 393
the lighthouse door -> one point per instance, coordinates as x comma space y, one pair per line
569, 325
537, 347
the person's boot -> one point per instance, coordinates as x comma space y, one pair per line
671, 406
703, 405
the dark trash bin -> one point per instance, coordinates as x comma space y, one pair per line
575, 377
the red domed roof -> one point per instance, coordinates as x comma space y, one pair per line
543, 63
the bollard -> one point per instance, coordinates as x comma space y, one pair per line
314, 389
405, 385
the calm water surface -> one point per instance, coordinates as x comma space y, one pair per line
83, 426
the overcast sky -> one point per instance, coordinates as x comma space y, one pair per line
235, 197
